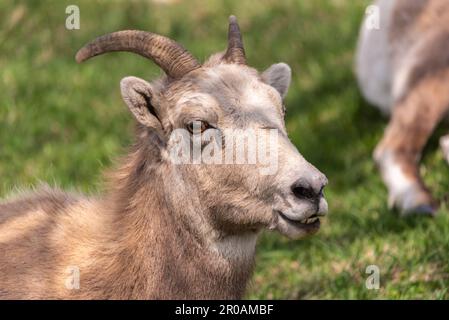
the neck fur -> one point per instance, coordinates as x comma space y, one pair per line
166, 240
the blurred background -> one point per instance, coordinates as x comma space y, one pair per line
64, 123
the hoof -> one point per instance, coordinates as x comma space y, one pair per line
406, 192
421, 210
414, 202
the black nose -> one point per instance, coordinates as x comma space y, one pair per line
309, 189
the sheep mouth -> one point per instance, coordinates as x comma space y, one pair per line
296, 228
312, 221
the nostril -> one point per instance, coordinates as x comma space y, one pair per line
303, 192
310, 189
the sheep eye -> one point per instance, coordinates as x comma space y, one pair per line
197, 126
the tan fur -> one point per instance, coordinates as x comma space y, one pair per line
418, 46
127, 246
162, 231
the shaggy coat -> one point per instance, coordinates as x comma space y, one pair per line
163, 230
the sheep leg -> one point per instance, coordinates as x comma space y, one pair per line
398, 154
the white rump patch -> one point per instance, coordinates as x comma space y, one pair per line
373, 63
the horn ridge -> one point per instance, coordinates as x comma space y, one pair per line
236, 51
166, 53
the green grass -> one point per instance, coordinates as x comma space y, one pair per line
63, 123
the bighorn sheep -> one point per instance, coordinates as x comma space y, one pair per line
403, 68
166, 230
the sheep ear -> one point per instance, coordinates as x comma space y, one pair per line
139, 97
278, 76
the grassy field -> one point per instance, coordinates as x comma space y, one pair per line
64, 123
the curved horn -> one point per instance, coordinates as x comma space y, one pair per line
166, 53
235, 52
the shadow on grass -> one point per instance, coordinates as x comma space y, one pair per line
335, 145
